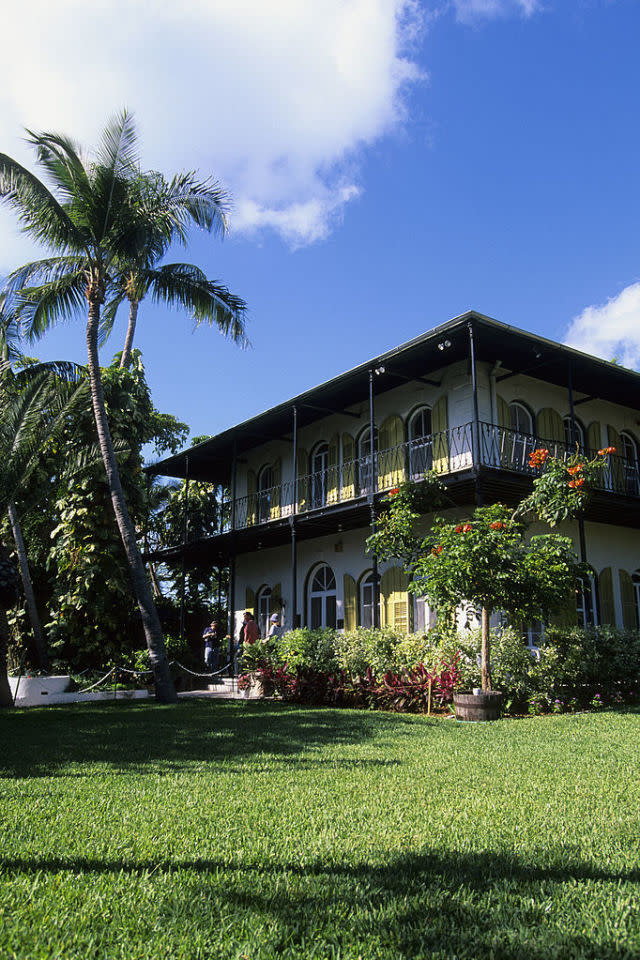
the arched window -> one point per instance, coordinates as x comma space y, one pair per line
263, 606
319, 474
365, 477
322, 598
587, 602
265, 484
420, 443
367, 600
571, 438
522, 437
630, 457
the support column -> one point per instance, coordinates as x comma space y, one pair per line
231, 617
292, 521
372, 506
574, 436
475, 430
185, 536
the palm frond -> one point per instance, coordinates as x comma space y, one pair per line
108, 318
116, 162
186, 286
60, 157
42, 307
39, 212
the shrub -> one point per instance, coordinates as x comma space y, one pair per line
303, 648
360, 649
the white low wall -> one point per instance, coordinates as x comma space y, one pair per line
47, 691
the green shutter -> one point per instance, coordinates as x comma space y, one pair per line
348, 467
350, 602
333, 489
629, 605
550, 428
594, 438
252, 497
303, 480
391, 470
440, 427
607, 608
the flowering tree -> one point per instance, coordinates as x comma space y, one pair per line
488, 560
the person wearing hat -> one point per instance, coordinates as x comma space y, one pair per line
275, 630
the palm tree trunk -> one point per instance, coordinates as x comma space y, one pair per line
165, 690
125, 359
486, 651
6, 700
27, 586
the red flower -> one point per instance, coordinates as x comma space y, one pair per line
577, 469
459, 528
466, 528
576, 483
605, 451
538, 457
394, 492
497, 525
436, 551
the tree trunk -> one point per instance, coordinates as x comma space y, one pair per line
125, 359
486, 651
27, 585
6, 700
165, 690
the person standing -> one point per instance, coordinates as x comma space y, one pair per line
251, 629
275, 630
211, 637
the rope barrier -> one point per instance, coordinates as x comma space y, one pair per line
98, 682
192, 673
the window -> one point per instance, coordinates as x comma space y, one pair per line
365, 479
264, 609
587, 604
367, 600
424, 616
522, 437
571, 439
322, 598
630, 457
319, 475
420, 443
533, 635
265, 484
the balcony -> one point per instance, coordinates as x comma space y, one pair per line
449, 453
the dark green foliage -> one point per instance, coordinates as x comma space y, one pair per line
223, 831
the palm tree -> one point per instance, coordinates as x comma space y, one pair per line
94, 221
34, 411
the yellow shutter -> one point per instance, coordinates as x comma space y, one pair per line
276, 490
594, 438
616, 463
629, 605
303, 480
550, 428
504, 417
440, 427
348, 467
252, 497
391, 470
333, 490
250, 600
394, 599
607, 608
350, 602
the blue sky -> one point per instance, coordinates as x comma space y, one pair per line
442, 156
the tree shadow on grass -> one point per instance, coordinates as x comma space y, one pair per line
143, 738
436, 904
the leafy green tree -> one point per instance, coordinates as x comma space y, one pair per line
32, 417
91, 220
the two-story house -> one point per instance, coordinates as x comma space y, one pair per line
470, 399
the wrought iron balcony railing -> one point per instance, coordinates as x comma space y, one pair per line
450, 452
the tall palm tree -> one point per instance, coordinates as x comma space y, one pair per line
93, 220
34, 411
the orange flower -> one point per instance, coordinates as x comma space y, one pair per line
497, 525
436, 551
577, 469
605, 451
466, 528
538, 457
394, 492
576, 483
459, 528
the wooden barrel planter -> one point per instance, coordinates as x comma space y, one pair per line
480, 706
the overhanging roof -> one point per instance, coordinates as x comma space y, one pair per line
517, 350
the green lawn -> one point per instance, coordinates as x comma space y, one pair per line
258, 830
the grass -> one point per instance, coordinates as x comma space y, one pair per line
259, 830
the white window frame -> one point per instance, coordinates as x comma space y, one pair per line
368, 602
263, 600
323, 595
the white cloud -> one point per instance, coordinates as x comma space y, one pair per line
278, 98
611, 329
468, 11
